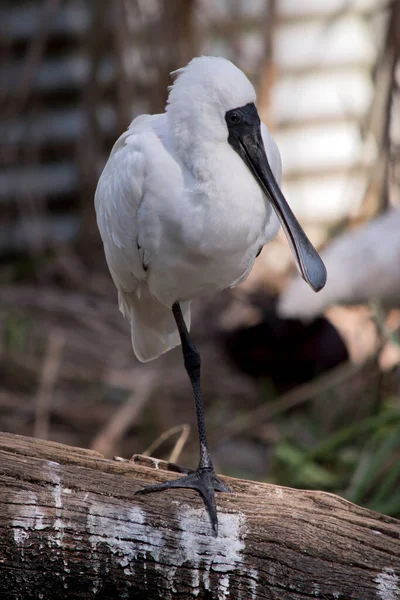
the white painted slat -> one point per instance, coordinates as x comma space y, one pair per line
323, 147
311, 8
322, 95
325, 199
218, 10
252, 50
343, 41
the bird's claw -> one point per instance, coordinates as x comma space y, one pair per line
205, 481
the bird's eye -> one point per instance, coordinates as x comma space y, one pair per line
234, 118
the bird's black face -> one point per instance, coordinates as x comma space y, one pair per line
245, 138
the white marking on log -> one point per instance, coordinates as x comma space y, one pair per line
156, 462
108, 524
33, 512
225, 550
130, 539
206, 553
253, 583
388, 584
54, 475
316, 590
20, 535
223, 587
27, 517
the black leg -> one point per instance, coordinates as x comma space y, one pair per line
191, 359
204, 479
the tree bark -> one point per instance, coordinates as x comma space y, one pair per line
71, 527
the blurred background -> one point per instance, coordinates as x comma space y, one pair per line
299, 389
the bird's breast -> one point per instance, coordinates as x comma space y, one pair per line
211, 232
229, 213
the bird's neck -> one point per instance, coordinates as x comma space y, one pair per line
196, 144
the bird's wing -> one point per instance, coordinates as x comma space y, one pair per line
119, 195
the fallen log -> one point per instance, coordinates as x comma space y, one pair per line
71, 527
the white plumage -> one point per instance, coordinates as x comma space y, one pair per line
178, 210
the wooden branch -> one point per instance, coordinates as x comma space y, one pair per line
71, 527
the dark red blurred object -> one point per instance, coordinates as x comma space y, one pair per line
286, 351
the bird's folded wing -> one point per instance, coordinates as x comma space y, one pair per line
119, 196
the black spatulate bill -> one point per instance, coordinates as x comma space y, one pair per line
245, 138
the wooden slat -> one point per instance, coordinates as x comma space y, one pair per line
60, 74
51, 179
45, 230
324, 146
326, 198
315, 9
57, 126
335, 94
19, 21
346, 41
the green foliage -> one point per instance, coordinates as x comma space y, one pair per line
376, 480
360, 461
302, 471
16, 331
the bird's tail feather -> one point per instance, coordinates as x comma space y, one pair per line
153, 327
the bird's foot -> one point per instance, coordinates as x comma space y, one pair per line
205, 481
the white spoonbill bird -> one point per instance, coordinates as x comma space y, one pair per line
185, 203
